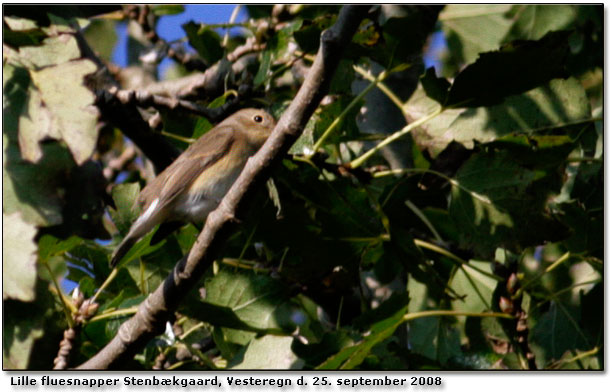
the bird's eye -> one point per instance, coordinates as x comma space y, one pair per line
258, 119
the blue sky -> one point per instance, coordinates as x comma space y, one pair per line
169, 26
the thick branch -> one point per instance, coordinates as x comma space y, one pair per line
251, 45
145, 99
199, 85
130, 121
154, 311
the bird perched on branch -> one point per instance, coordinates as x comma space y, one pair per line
194, 184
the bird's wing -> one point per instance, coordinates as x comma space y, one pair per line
202, 154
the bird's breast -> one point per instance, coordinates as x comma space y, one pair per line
209, 188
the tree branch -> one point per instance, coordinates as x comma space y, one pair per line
142, 15
145, 99
130, 121
200, 85
251, 45
155, 310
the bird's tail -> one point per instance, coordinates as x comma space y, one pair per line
122, 249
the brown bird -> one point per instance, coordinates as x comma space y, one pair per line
194, 184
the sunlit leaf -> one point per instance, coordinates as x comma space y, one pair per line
560, 103
269, 352
474, 28
18, 258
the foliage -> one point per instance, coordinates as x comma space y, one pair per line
483, 251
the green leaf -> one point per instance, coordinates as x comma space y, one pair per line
202, 126
44, 14
587, 228
556, 332
305, 142
533, 21
309, 34
277, 48
475, 288
156, 261
101, 28
18, 258
53, 51
471, 29
264, 68
352, 356
434, 338
205, 41
536, 151
259, 11
435, 88
495, 202
269, 352
579, 360
186, 236
46, 110
21, 32
346, 129
224, 316
74, 118
23, 109
431, 135
168, 9
20, 24
517, 67
343, 78
32, 189
559, 104
49, 246
315, 353
89, 258
405, 29
396, 303
126, 212
256, 300
20, 333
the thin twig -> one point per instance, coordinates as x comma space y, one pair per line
140, 14
251, 45
145, 99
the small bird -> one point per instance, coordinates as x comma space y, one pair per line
194, 184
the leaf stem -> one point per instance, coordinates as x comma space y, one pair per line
382, 87
67, 305
584, 159
360, 160
381, 76
417, 211
473, 284
575, 358
551, 267
114, 313
187, 140
444, 252
452, 181
108, 280
240, 263
472, 12
432, 313
191, 330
